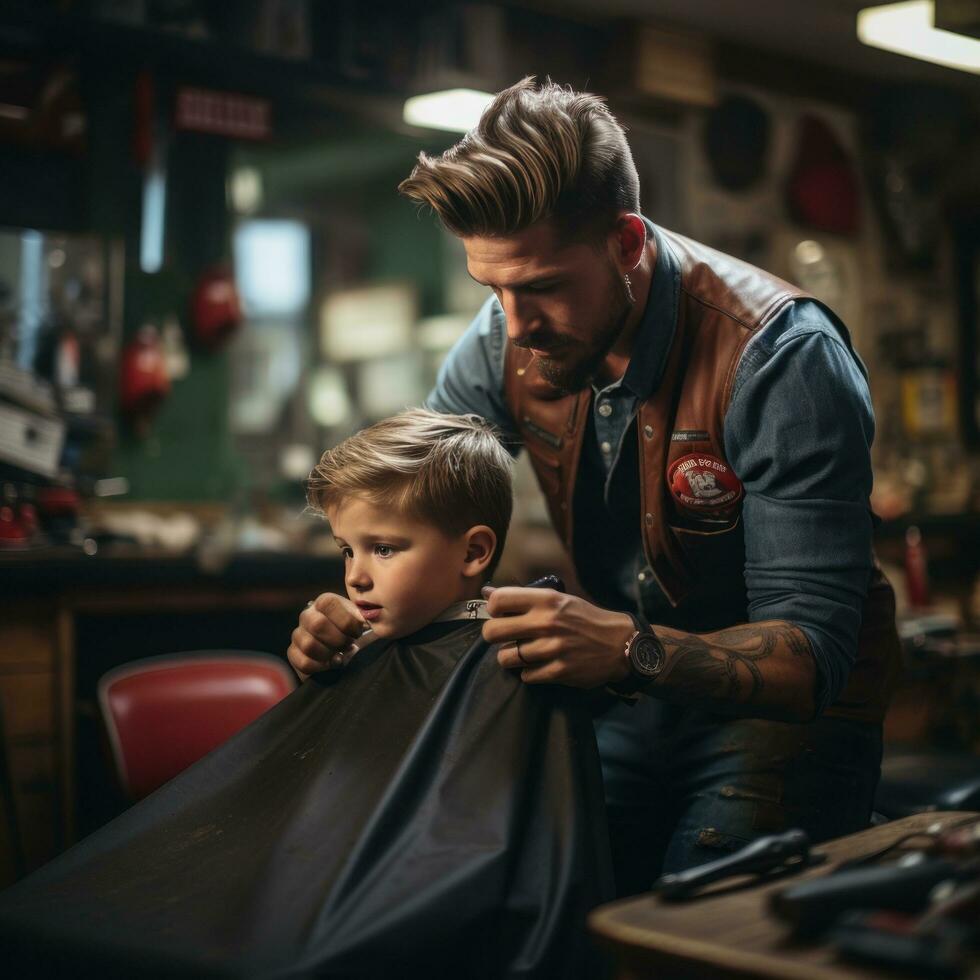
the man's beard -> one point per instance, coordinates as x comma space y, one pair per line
572, 376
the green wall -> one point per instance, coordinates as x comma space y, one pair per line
189, 452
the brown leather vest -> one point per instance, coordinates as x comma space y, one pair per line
722, 303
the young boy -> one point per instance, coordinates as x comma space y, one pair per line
421, 813
419, 505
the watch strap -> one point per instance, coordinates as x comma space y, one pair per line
640, 624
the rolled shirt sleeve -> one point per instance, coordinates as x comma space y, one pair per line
471, 379
798, 433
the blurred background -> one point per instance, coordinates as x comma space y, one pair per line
207, 278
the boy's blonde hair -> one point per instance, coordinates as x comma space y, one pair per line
450, 471
538, 153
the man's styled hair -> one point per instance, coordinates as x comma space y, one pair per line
538, 153
450, 471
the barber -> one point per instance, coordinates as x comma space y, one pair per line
701, 432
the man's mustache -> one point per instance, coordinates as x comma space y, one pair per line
539, 343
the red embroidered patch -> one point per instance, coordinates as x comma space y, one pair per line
700, 482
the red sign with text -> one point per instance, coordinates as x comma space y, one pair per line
223, 114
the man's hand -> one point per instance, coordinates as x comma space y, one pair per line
553, 638
327, 628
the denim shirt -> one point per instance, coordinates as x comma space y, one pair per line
798, 434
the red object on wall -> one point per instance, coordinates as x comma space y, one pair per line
13, 534
164, 713
916, 569
822, 191
222, 113
58, 501
143, 379
216, 311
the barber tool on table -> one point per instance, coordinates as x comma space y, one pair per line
918, 913
777, 854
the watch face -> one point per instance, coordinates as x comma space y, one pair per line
647, 655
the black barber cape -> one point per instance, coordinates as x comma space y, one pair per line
420, 813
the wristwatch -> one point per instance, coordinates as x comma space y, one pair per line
646, 656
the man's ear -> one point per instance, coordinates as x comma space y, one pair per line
481, 543
629, 239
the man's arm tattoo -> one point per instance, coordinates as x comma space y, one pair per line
755, 665
798, 644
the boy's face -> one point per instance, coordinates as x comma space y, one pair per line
399, 571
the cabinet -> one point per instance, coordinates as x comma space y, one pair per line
34, 639
53, 648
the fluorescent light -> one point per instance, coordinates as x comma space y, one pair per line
153, 217
457, 110
273, 267
907, 28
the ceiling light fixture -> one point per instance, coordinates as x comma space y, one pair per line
908, 28
457, 110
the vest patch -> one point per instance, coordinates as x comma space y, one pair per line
701, 483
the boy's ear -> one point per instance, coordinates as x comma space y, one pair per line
481, 543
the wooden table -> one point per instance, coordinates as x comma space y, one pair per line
733, 934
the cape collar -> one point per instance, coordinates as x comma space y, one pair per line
467, 609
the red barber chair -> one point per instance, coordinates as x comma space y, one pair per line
163, 713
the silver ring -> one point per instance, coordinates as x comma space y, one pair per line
310, 603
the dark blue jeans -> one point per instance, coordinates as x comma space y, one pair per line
684, 787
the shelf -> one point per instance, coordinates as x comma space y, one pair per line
56, 570
113, 48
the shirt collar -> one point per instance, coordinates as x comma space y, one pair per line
656, 329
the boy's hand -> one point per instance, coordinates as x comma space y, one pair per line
556, 638
327, 629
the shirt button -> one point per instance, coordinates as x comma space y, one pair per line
642, 577
606, 447
605, 409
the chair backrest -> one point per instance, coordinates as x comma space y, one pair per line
163, 713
